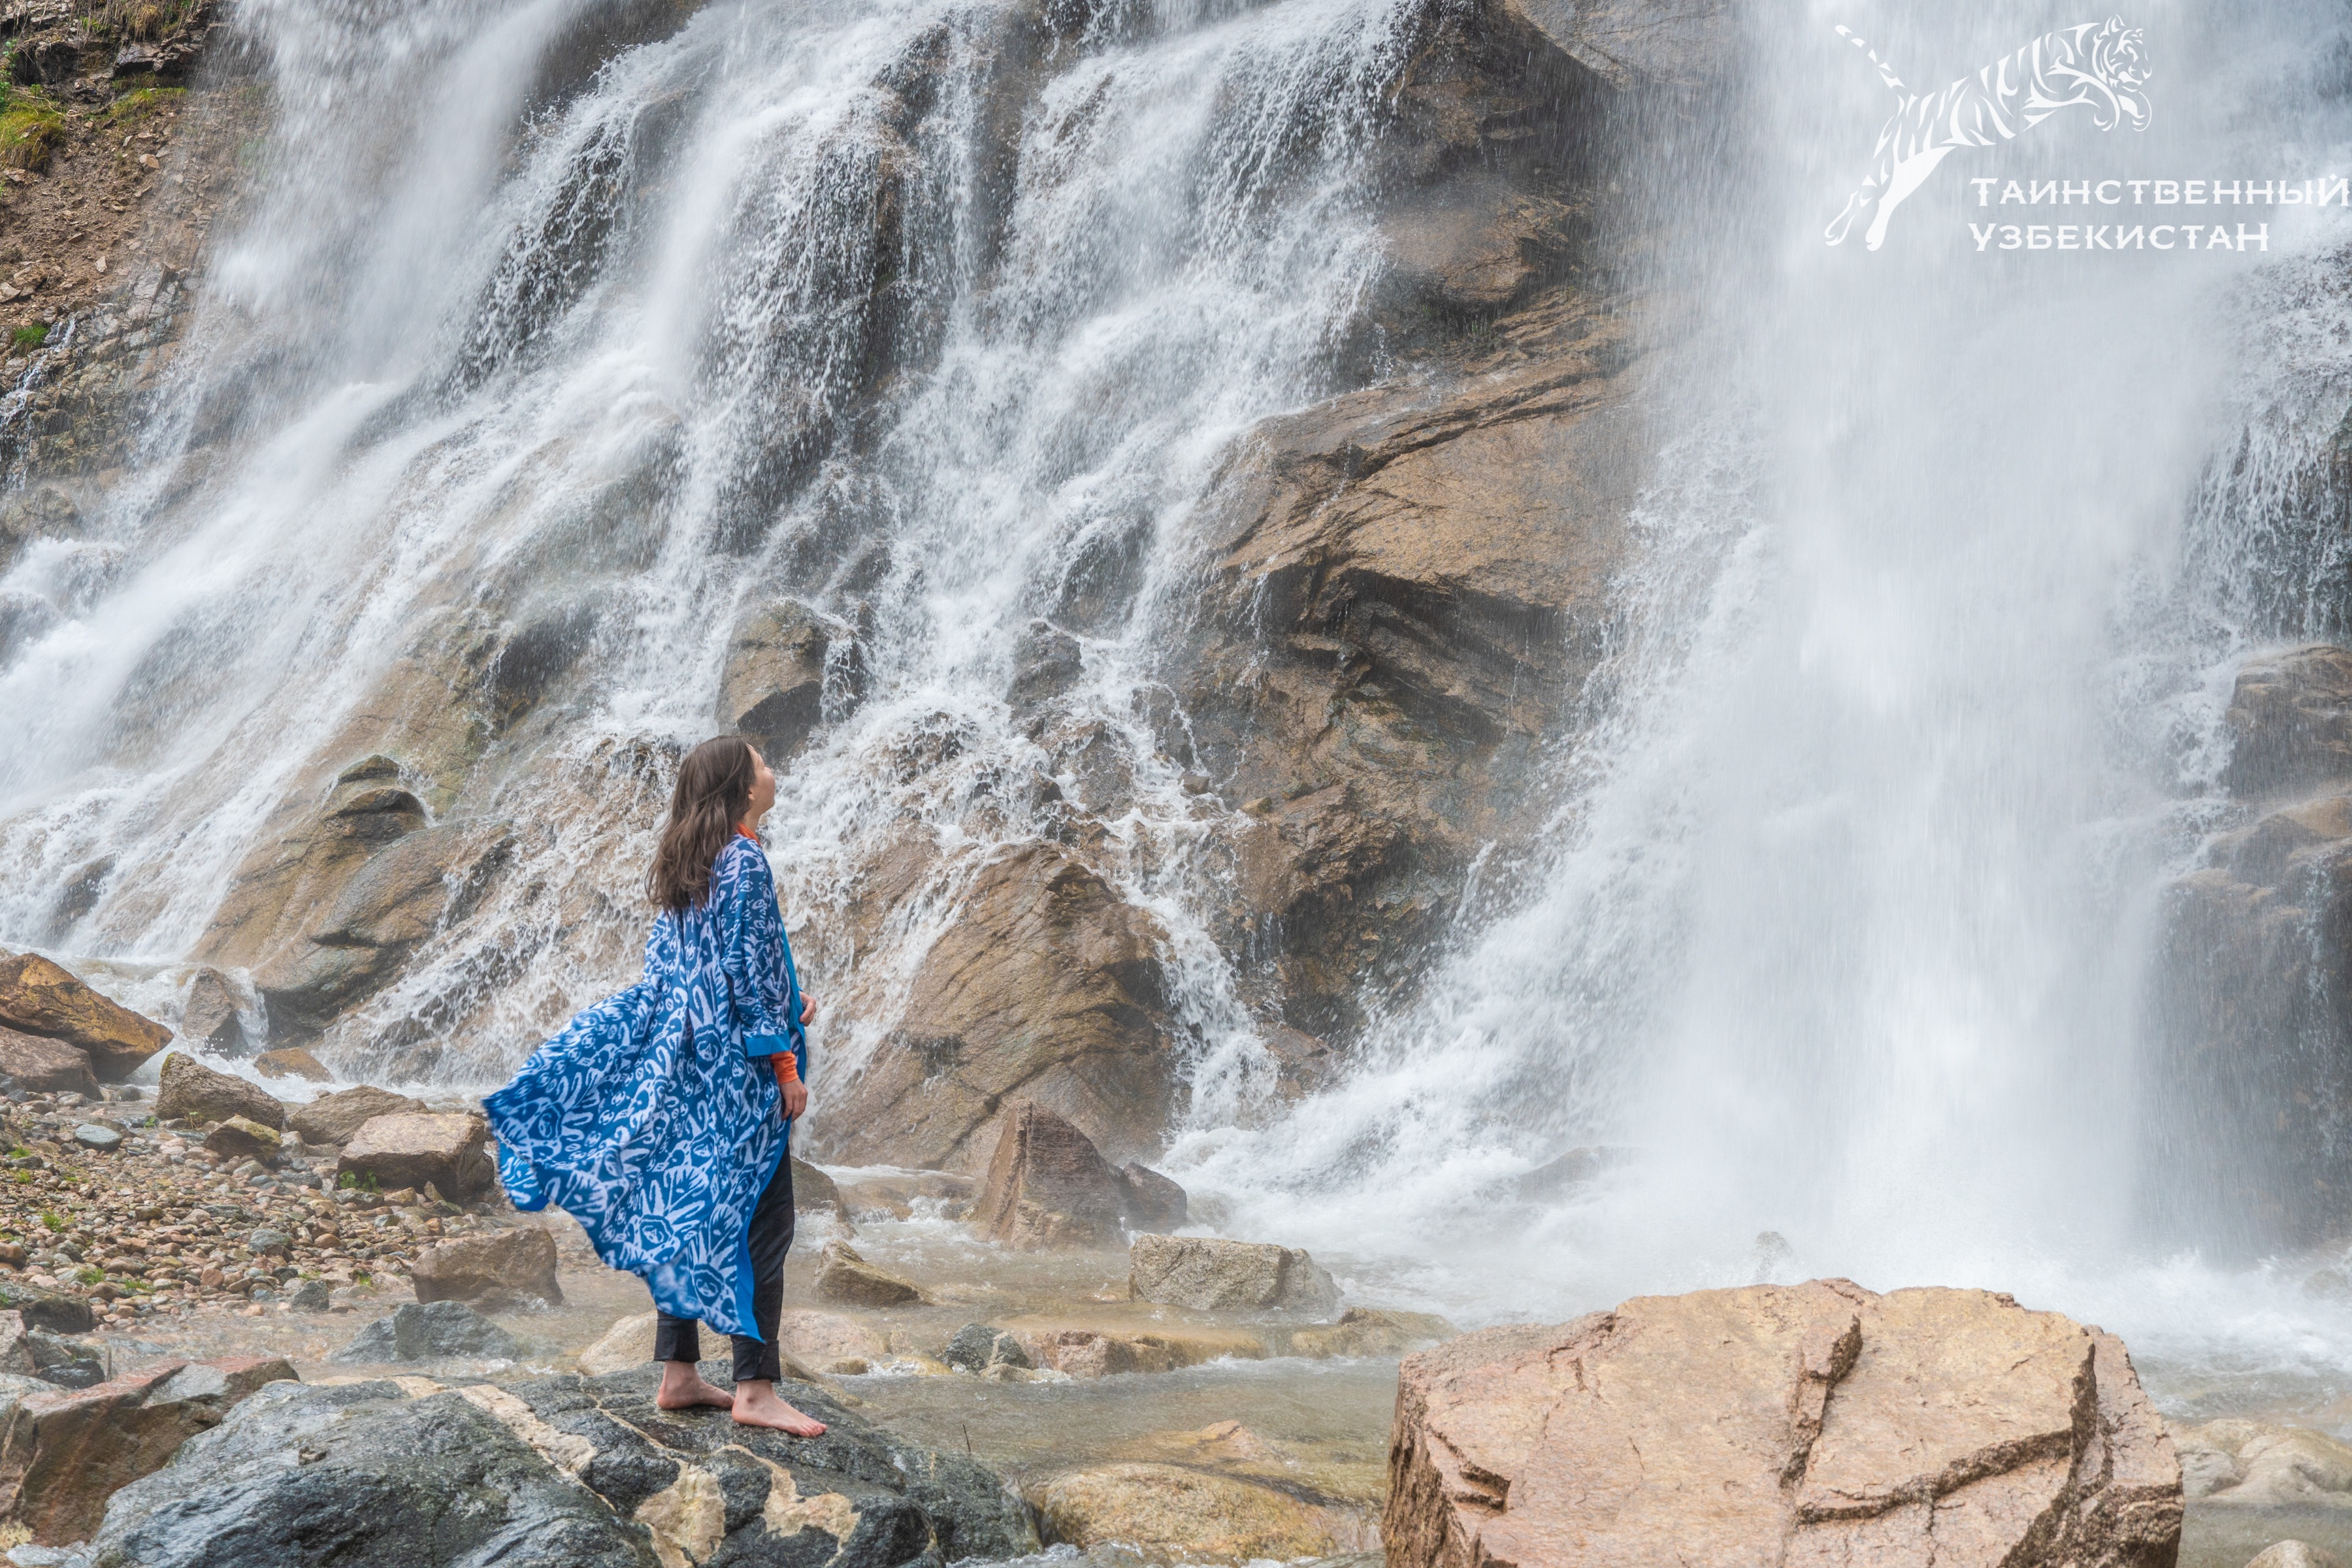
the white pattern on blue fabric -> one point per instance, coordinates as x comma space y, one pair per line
647, 1120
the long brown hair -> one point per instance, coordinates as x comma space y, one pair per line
714, 791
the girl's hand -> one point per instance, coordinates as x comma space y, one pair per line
808, 1009
795, 1099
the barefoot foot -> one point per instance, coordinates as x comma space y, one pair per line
757, 1405
683, 1388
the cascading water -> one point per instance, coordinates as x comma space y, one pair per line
1843, 940
931, 314
942, 317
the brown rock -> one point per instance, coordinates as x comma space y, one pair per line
15, 1349
209, 1015
38, 997
1181, 1514
2238, 1463
847, 1279
1105, 1350
410, 1149
1409, 586
62, 1455
1048, 985
334, 1118
44, 1066
2295, 1555
773, 689
824, 1338
1808, 1424
292, 1062
1209, 1275
493, 1271
1149, 1200
1047, 1186
338, 894
1364, 1332
242, 1138
813, 1190
198, 1093
2290, 720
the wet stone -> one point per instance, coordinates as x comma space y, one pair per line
96, 1136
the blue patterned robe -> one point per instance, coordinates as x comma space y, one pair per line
654, 1118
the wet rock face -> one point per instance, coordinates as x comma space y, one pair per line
325, 911
558, 1471
63, 1453
1048, 985
1409, 589
773, 688
2253, 993
1813, 1422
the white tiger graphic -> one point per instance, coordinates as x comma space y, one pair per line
2099, 64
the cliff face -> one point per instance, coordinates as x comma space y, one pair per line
113, 174
1390, 599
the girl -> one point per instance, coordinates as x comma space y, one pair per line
659, 1117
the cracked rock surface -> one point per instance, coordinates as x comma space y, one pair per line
1799, 1425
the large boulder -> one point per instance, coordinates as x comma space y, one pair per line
198, 1093
429, 1331
1048, 985
41, 1066
451, 1150
814, 1192
847, 1279
1814, 1422
334, 1118
493, 1270
1211, 1275
1048, 1186
38, 997
2241, 1464
63, 1453
558, 1472
53, 1310
209, 1013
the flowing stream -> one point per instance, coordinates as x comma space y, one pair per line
940, 315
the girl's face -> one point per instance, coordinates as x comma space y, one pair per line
764, 789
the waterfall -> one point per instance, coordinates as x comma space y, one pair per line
562, 340
538, 377
1839, 957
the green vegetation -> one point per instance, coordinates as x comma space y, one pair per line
31, 127
141, 103
352, 1182
90, 1276
53, 1219
30, 337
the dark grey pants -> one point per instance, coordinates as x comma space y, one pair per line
681, 1338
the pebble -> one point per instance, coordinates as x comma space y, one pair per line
154, 1226
90, 1135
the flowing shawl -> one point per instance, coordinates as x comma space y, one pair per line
654, 1118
